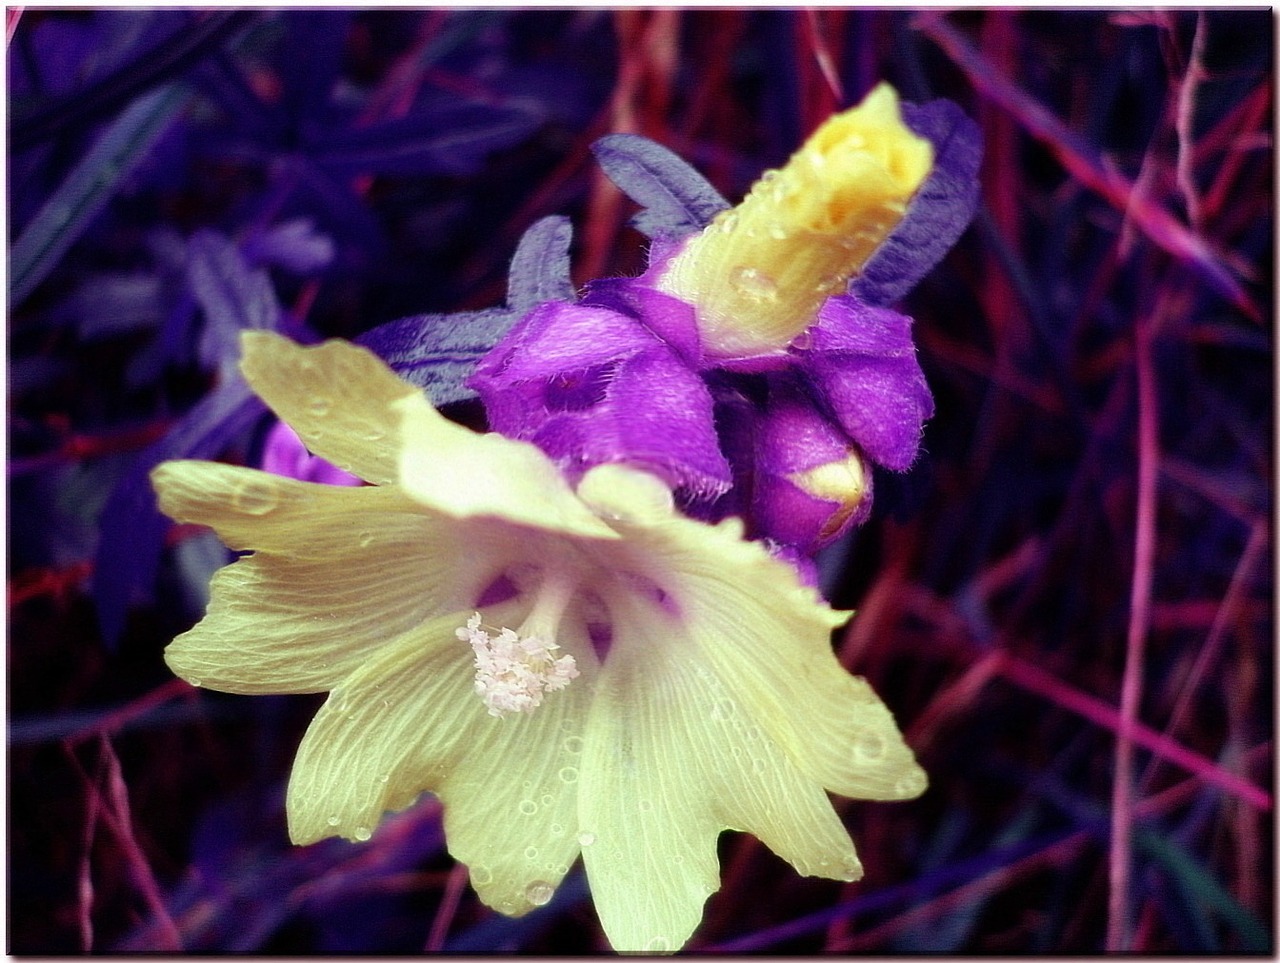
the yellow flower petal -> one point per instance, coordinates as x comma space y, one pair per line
336, 396
768, 638
340, 571
408, 721
672, 758
454, 470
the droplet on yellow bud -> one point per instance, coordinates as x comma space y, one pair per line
759, 272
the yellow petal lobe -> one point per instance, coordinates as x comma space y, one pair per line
759, 272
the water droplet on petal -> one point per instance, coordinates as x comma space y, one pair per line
332, 820
531, 852
586, 839
755, 284
869, 746
363, 833
757, 766
528, 807
646, 805
573, 745
195, 682
569, 774
659, 944
547, 799
255, 498
539, 892
319, 405
556, 829
365, 539
480, 875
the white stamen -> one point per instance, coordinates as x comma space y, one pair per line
512, 672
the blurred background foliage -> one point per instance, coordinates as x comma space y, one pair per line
1076, 577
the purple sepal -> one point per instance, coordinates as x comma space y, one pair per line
938, 214
283, 453
792, 437
591, 386
667, 318
233, 296
677, 200
862, 364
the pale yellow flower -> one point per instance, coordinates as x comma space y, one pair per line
759, 271
656, 680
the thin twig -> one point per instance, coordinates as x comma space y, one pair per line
1118, 909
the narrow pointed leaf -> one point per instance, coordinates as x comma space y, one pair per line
677, 200
89, 186
540, 266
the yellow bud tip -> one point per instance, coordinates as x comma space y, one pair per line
758, 273
843, 482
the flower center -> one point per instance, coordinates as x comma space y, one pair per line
517, 667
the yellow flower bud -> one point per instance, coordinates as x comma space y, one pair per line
759, 272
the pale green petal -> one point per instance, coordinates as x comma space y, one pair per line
672, 759
454, 470
768, 638
409, 721
339, 572
336, 396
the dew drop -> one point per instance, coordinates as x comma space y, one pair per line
727, 221
363, 833
195, 682
365, 539
755, 284
659, 944
569, 774
586, 839
802, 341
723, 710
547, 799
255, 498
539, 892
646, 805
752, 733
385, 777
869, 746
556, 829
374, 434
528, 807
480, 875
531, 852
319, 405
573, 745
757, 766
332, 820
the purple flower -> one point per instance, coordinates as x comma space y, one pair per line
284, 454
757, 353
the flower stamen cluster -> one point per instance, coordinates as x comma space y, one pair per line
514, 672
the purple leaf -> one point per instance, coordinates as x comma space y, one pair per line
131, 531
437, 352
937, 215
677, 200
294, 245
540, 266
453, 140
234, 296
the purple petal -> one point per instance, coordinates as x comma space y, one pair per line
937, 215
863, 367
285, 454
667, 318
591, 386
792, 437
